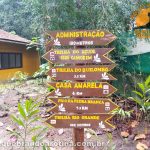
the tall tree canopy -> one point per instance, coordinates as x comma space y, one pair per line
32, 17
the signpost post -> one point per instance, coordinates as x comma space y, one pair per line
80, 104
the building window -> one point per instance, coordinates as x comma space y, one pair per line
10, 60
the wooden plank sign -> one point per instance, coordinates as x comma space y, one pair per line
82, 73
80, 105
82, 89
79, 56
80, 121
79, 38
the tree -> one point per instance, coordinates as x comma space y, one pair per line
17, 16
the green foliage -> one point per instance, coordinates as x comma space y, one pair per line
142, 96
34, 43
122, 114
110, 145
28, 115
20, 76
39, 16
17, 16
46, 148
42, 71
85, 14
50, 89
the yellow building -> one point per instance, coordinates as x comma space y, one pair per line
14, 56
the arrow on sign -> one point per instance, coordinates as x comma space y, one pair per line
80, 105
79, 56
78, 38
82, 89
80, 121
82, 73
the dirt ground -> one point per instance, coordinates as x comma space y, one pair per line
12, 93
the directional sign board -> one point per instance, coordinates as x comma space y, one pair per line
79, 38
80, 100
82, 89
80, 105
79, 56
80, 121
82, 73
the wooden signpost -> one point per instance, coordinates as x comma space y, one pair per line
79, 38
80, 121
82, 89
79, 56
81, 103
82, 73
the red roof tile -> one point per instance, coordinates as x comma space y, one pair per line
9, 37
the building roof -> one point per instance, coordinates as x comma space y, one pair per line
11, 38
